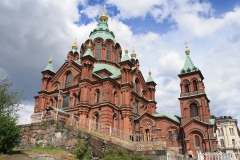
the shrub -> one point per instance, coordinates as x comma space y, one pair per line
81, 152
10, 133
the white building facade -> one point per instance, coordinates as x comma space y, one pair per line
228, 134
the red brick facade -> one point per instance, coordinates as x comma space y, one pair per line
104, 88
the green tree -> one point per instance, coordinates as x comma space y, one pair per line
10, 101
10, 133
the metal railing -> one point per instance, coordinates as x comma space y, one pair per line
135, 142
218, 156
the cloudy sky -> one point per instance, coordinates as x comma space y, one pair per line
30, 31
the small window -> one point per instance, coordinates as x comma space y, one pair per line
195, 85
222, 133
197, 142
136, 107
97, 96
170, 136
186, 85
97, 121
193, 110
231, 131
68, 80
98, 55
65, 101
233, 141
136, 86
176, 135
222, 143
108, 52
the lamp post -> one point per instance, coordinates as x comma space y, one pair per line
59, 94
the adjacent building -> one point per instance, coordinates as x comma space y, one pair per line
228, 134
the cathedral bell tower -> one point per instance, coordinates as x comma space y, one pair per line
193, 99
197, 125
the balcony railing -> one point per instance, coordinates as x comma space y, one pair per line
192, 93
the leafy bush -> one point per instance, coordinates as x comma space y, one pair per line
81, 152
10, 133
122, 154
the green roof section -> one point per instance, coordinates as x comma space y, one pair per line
169, 115
115, 71
125, 57
212, 121
102, 31
49, 66
88, 52
150, 79
188, 65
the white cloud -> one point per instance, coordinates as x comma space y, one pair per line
92, 11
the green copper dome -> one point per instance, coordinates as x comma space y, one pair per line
102, 31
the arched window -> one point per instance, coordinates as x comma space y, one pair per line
176, 136
197, 142
222, 143
195, 88
98, 55
193, 110
65, 100
136, 107
170, 136
136, 86
186, 85
108, 52
68, 80
233, 141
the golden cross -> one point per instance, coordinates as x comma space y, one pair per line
104, 8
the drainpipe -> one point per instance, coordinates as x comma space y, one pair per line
209, 139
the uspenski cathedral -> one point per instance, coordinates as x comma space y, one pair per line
101, 83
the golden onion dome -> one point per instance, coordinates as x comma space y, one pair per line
187, 51
103, 15
75, 45
89, 44
133, 54
50, 60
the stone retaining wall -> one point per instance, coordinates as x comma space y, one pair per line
59, 135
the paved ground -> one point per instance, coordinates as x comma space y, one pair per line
19, 155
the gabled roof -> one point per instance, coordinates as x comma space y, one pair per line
167, 115
112, 69
211, 122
